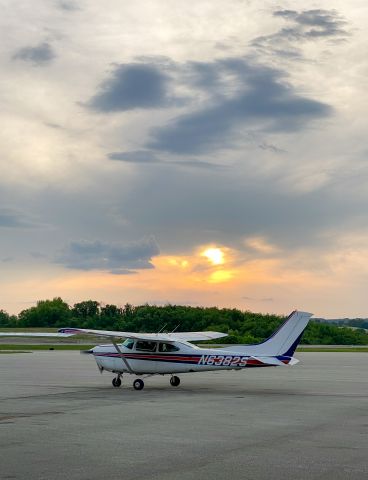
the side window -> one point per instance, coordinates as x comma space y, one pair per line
129, 342
145, 346
167, 347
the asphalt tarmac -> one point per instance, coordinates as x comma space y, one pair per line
61, 419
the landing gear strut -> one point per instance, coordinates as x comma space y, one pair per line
116, 381
138, 384
175, 381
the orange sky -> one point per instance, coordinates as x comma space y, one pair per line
211, 276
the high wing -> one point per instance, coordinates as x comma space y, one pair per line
168, 337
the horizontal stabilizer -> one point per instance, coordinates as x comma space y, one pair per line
269, 360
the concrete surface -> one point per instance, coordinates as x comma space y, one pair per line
60, 419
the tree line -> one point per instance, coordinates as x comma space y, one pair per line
242, 326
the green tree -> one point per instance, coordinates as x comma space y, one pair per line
86, 309
7, 320
47, 313
242, 326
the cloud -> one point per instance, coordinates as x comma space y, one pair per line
39, 55
10, 218
68, 6
223, 97
271, 148
188, 209
7, 259
305, 25
315, 23
150, 158
255, 97
116, 258
265, 299
138, 156
131, 86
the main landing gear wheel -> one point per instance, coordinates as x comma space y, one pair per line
175, 381
138, 384
116, 381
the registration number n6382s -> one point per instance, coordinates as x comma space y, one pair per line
223, 360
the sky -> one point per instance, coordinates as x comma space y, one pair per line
205, 153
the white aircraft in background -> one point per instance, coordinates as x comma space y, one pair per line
148, 354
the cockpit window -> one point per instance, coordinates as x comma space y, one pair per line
129, 342
167, 347
145, 346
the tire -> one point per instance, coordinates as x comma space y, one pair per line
175, 381
116, 382
138, 384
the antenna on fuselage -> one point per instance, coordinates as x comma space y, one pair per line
161, 328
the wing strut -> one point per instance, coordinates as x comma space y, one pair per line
122, 356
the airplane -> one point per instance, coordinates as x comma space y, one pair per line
148, 354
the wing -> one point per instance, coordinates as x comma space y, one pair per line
196, 336
176, 336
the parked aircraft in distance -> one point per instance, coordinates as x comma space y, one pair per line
148, 354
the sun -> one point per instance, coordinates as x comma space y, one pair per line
214, 255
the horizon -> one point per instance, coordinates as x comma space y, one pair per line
102, 304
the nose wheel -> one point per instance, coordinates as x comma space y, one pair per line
174, 381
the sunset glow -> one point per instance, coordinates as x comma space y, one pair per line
214, 255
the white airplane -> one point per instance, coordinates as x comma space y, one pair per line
148, 354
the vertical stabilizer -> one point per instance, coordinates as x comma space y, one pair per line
285, 340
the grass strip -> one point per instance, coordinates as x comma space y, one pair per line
8, 352
46, 346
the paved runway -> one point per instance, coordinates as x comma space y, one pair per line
59, 418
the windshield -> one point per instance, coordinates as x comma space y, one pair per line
129, 342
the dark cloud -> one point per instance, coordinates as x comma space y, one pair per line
138, 156
199, 164
324, 23
205, 76
254, 96
228, 96
150, 158
41, 54
68, 5
116, 258
271, 148
56, 126
304, 25
132, 86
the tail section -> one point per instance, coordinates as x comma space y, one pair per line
282, 342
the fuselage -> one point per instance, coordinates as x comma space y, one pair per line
149, 357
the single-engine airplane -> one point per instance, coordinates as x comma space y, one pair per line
148, 354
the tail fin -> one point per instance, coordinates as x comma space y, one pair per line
285, 340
